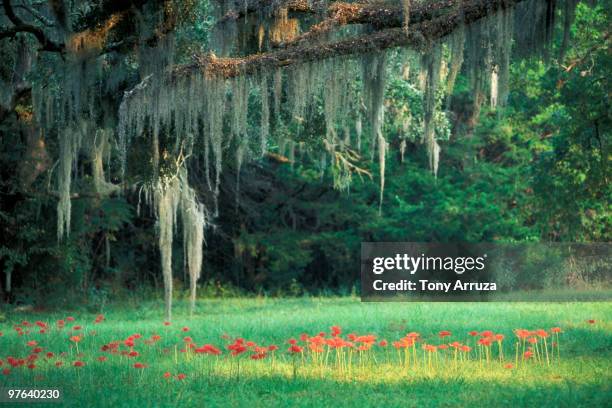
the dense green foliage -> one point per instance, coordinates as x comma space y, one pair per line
535, 170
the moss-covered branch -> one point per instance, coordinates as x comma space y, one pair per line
419, 36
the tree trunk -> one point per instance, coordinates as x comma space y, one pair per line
9, 283
167, 291
192, 297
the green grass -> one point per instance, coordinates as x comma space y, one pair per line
581, 378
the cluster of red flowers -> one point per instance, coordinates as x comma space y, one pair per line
407, 341
241, 345
179, 376
533, 338
532, 344
208, 349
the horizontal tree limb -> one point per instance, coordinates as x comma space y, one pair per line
419, 36
379, 17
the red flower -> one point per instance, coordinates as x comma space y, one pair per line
139, 365
238, 350
486, 333
509, 366
133, 354
16, 363
102, 358
208, 349
473, 333
185, 329
272, 347
258, 356
532, 340
167, 323
31, 366
292, 341
591, 321
99, 318
383, 343
58, 363
78, 364
466, 349
237, 347
77, 328
367, 339
304, 337
485, 341
335, 331
444, 333
167, 375
499, 337
32, 343
76, 339
70, 319
400, 344
442, 346
187, 339
49, 355
295, 349
522, 333
555, 330
6, 371
181, 376
528, 355
37, 350
129, 343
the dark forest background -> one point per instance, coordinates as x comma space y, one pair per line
536, 170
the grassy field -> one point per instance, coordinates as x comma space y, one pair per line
581, 377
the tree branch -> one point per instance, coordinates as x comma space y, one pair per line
36, 14
419, 36
22, 27
378, 17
